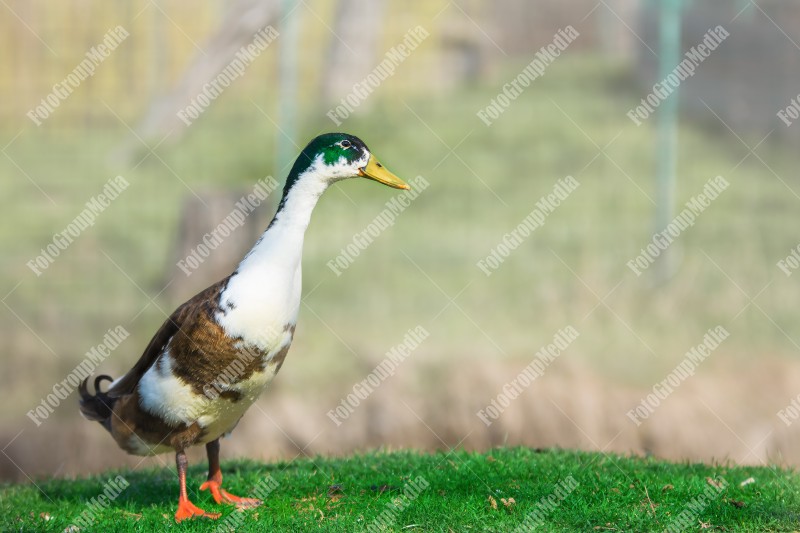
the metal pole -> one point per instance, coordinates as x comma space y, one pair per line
287, 97
667, 127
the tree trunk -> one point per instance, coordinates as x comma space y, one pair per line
354, 47
238, 28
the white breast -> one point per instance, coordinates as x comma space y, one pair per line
257, 306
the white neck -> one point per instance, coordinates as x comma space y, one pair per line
263, 295
282, 242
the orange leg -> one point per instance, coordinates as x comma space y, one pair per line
214, 483
187, 509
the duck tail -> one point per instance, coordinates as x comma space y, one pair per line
97, 406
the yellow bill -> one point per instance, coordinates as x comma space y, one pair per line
375, 171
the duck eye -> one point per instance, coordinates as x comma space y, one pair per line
346, 144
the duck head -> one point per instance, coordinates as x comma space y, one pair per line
332, 157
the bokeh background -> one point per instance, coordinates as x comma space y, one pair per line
484, 180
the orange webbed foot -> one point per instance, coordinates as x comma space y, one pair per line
187, 509
221, 495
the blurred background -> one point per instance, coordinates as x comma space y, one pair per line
485, 179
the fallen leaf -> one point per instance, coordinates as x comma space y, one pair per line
747, 481
335, 492
509, 503
736, 503
492, 502
668, 486
714, 483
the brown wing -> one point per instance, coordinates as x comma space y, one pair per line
181, 318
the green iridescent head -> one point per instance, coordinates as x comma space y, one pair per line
335, 156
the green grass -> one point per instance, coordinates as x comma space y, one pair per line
612, 494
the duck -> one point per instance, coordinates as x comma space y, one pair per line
217, 352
